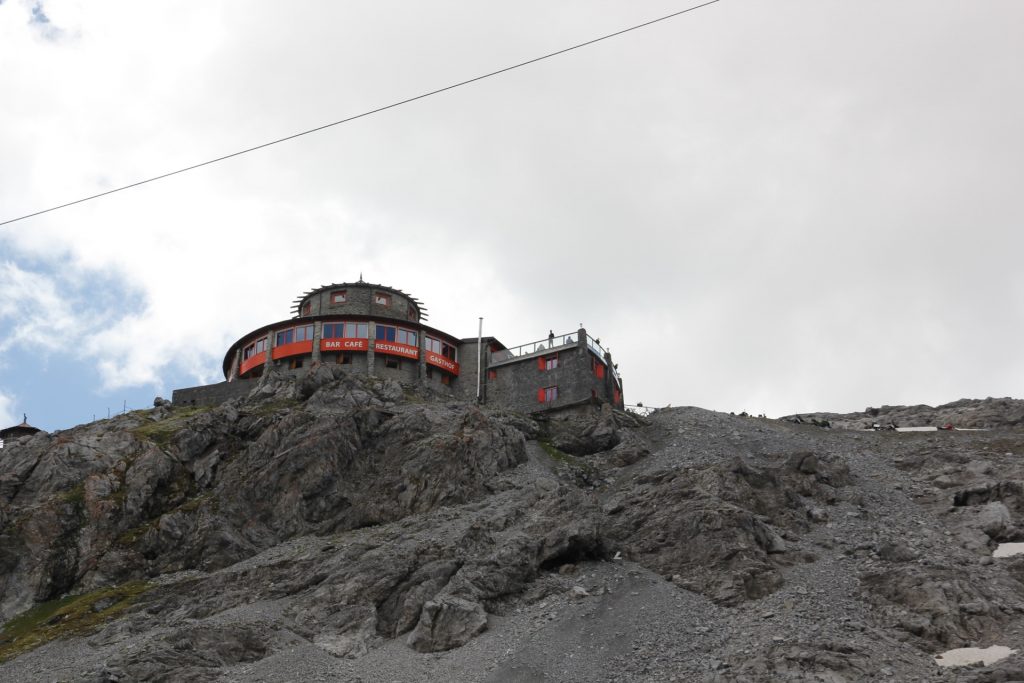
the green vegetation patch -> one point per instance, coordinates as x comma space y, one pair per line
74, 496
162, 431
69, 616
562, 456
273, 406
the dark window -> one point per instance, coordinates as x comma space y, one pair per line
357, 330
430, 371
413, 315
345, 358
392, 362
258, 346
307, 308
295, 334
294, 363
445, 378
385, 333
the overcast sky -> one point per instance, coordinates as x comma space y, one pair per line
766, 206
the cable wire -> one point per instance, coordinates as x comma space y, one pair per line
362, 115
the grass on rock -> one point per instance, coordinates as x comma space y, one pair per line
71, 615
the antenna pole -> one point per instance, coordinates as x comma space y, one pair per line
479, 356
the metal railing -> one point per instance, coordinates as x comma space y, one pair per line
539, 346
595, 346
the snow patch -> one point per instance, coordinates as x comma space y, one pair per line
1008, 550
965, 656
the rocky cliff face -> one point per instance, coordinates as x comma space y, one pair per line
343, 528
988, 413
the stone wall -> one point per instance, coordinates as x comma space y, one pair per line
359, 300
515, 383
212, 394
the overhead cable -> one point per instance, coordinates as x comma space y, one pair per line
362, 115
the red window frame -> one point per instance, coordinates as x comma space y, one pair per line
545, 363
547, 394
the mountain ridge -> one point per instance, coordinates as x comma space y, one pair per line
345, 528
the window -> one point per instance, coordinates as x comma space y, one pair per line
492, 374
547, 394
413, 315
547, 362
307, 308
598, 367
446, 378
441, 348
381, 299
392, 362
294, 363
430, 372
344, 359
258, 346
350, 330
339, 297
295, 334
396, 334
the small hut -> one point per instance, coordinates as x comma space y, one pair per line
11, 433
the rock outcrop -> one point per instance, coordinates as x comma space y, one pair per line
340, 527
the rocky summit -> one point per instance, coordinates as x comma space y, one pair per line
340, 528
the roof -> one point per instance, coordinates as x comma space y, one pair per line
19, 430
297, 304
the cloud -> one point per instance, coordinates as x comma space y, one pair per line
34, 311
766, 208
7, 411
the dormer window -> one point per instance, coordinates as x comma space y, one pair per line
412, 314
339, 297
307, 308
381, 299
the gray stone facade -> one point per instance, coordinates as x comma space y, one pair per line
212, 394
390, 340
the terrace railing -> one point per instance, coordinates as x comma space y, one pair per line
539, 346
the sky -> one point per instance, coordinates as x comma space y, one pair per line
774, 207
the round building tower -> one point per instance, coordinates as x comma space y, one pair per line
370, 327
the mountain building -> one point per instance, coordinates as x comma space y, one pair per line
11, 433
379, 330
